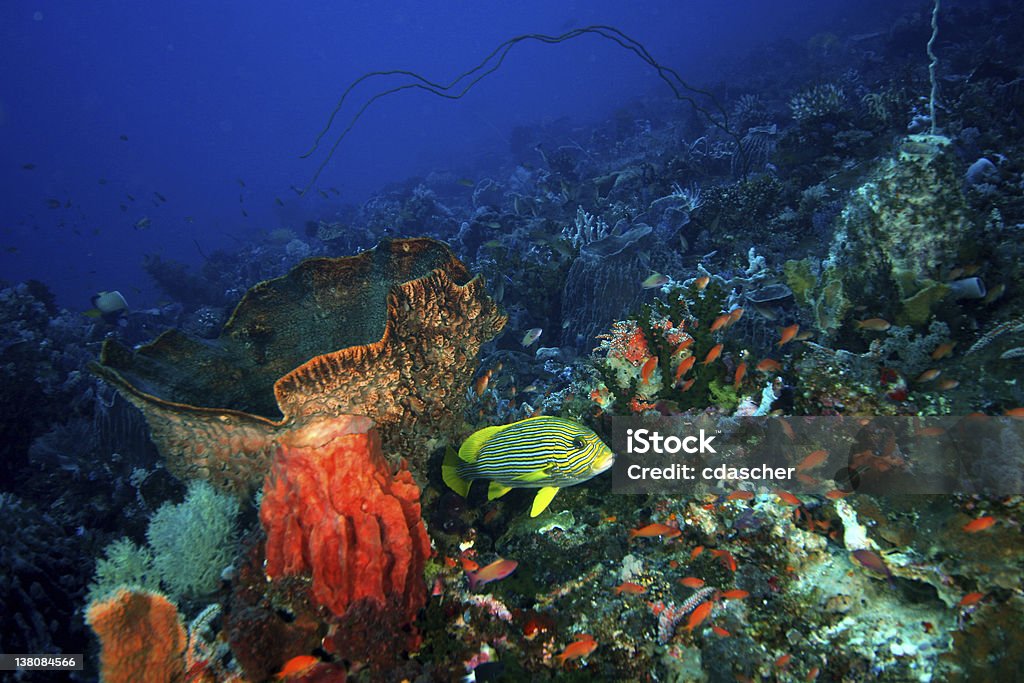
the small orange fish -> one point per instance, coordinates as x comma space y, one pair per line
813, 459
740, 495
769, 365
928, 375
684, 367
581, 647
696, 551
741, 371
692, 582
702, 282
930, 431
806, 479
469, 565
735, 594
720, 632
495, 571
296, 666
480, 386
655, 529
787, 497
720, 322
872, 561
979, 524
648, 369
698, 615
687, 343
726, 558
735, 315
812, 675
782, 661
786, 334
1016, 413
787, 429
947, 383
873, 325
836, 494
970, 599
714, 353
630, 588
687, 384
943, 350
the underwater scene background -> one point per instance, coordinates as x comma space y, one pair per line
329, 334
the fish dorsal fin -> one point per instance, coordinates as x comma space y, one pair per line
471, 447
543, 499
496, 490
536, 475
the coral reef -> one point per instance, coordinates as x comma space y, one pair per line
390, 333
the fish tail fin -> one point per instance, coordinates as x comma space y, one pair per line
450, 473
474, 581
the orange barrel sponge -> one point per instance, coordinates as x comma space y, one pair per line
333, 510
142, 636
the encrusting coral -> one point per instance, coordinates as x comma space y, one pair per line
392, 333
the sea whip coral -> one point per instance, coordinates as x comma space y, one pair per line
333, 510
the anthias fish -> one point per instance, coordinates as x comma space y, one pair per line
543, 452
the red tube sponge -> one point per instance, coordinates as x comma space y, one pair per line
332, 509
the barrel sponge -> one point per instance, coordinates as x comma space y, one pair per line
334, 511
193, 541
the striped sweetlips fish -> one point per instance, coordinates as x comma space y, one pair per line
544, 452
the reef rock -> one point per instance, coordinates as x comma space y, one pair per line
392, 333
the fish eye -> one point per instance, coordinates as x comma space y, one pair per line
578, 443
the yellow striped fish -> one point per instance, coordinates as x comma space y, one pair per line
548, 453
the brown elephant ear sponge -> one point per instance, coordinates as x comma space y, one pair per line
392, 333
